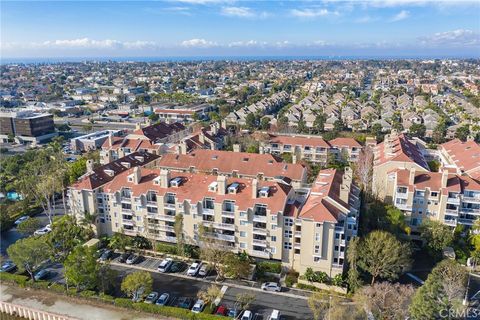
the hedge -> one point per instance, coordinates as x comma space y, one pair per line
14, 278
175, 312
267, 266
166, 248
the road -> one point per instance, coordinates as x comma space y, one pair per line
290, 307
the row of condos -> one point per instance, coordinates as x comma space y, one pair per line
267, 218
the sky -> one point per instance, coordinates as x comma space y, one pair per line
167, 28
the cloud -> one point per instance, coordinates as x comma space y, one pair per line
95, 44
313, 13
402, 15
198, 43
250, 43
455, 38
243, 12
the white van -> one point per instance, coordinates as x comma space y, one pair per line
275, 315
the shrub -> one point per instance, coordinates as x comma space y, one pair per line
338, 280
291, 278
88, 294
14, 278
166, 248
124, 303
306, 287
39, 284
106, 298
267, 266
57, 288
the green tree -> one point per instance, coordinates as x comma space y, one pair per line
154, 117
382, 255
417, 130
437, 236
251, 121
213, 116
119, 241
140, 242
137, 283
353, 256
265, 123
442, 292
396, 220
440, 132
376, 130
66, 234
319, 122
29, 253
243, 300
106, 277
29, 226
178, 227
81, 268
319, 303
462, 132
210, 294
236, 265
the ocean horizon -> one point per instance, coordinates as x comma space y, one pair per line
52, 60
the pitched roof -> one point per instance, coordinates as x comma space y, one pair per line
466, 155
299, 140
244, 163
399, 148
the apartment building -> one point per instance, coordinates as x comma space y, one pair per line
463, 157
153, 138
263, 215
313, 148
443, 196
92, 141
395, 152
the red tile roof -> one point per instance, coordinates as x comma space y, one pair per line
399, 149
466, 155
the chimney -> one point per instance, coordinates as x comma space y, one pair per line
137, 175
444, 178
110, 139
89, 166
164, 178
254, 188
294, 158
148, 122
224, 124
261, 149
182, 147
237, 148
108, 156
344, 192
214, 127
138, 126
411, 177
221, 184
201, 137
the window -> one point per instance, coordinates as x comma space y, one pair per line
288, 233
317, 259
273, 227
317, 249
336, 248
243, 214
243, 245
319, 225
287, 245
273, 250
243, 234
317, 236
288, 222
434, 194
139, 218
273, 238
243, 222
337, 235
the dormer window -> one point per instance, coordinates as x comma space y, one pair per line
212, 187
109, 172
126, 193
233, 188
176, 182
264, 192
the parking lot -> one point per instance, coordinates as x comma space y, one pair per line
178, 285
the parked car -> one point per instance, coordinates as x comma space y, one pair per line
8, 266
194, 267
247, 315
137, 297
271, 286
42, 231
177, 266
123, 257
42, 274
184, 302
152, 297
132, 259
275, 315
198, 306
107, 254
165, 265
221, 311
163, 300
21, 219
232, 313
203, 270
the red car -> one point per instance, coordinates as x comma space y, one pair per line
221, 311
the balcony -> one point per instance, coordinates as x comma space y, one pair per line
452, 200
130, 232
451, 212
161, 227
166, 217
208, 212
470, 211
258, 218
164, 238
466, 221
403, 206
451, 222
475, 199
401, 195
128, 222
228, 213
170, 206
298, 234
224, 226
224, 237
259, 242
125, 199
126, 209
262, 254
260, 231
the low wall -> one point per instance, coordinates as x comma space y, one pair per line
29, 313
323, 286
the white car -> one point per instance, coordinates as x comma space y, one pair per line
21, 219
165, 265
271, 286
42, 231
275, 315
198, 306
203, 270
193, 270
247, 315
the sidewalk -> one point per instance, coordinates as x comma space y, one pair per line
51, 302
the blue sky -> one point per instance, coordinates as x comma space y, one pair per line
239, 28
